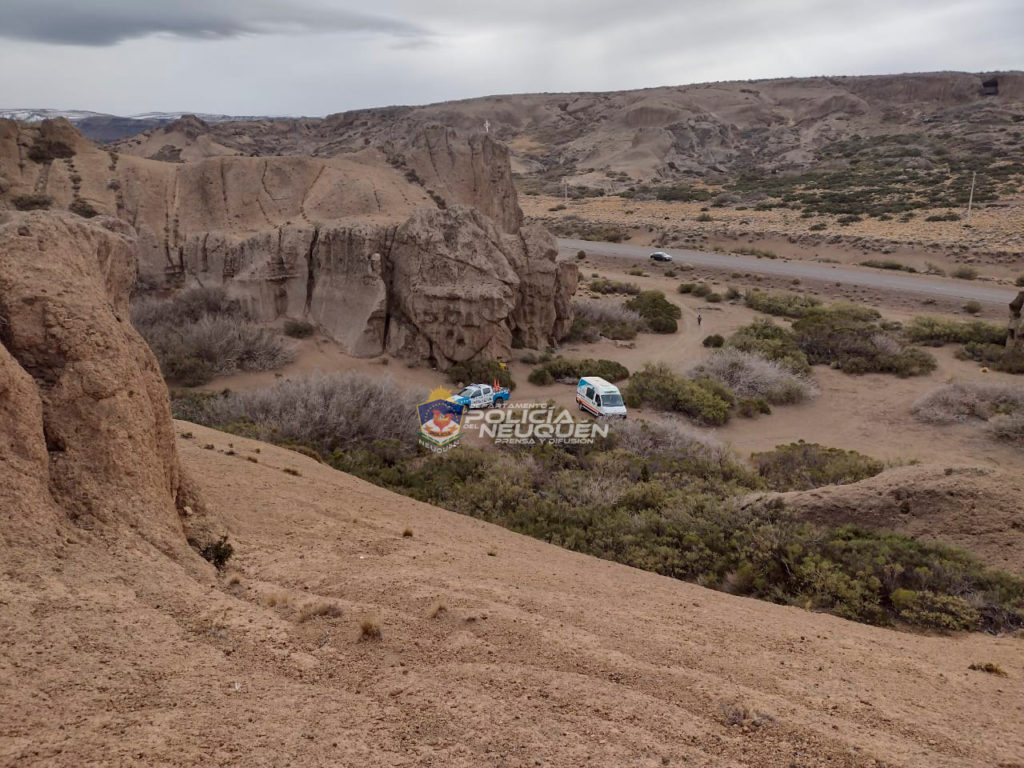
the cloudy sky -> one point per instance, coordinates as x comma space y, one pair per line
314, 57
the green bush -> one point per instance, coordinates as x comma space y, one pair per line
47, 150
965, 273
660, 314
782, 304
851, 338
701, 289
936, 331
943, 217
687, 287
713, 298
749, 407
594, 319
1019, 282
32, 202
801, 466
772, 342
561, 368
480, 372
887, 264
298, 329
603, 285
1002, 358
972, 307
714, 340
83, 208
216, 553
703, 400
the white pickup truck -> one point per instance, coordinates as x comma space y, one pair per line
482, 396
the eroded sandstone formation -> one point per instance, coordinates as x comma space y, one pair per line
415, 248
87, 434
1015, 336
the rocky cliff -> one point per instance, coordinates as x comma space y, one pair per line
88, 441
414, 247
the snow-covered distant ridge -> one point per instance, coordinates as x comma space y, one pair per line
35, 115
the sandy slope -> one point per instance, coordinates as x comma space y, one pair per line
545, 657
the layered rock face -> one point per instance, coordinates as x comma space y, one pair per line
415, 248
87, 432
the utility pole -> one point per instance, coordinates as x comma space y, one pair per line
970, 199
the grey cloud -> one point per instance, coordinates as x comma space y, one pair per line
106, 22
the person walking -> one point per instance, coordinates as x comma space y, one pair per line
700, 319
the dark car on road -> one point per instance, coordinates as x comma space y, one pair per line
660, 256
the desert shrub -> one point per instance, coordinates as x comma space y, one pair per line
46, 150
713, 298
715, 340
660, 314
887, 264
961, 401
322, 412
989, 667
965, 273
783, 304
201, 333
652, 496
943, 217
83, 208
605, 286
1019, 282
702, 290
819, 227
561, 368
751, 376
298, 329
594, 319
772, 342
972, 307
998, 356
851, 338
749, 407
686, 287
32, 202
732, 293
703, 400
479, 371
636, 272
1008, 428
217, 553
926, 609
800, 466
936, 331
705, 217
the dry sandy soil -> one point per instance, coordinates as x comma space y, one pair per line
540, 656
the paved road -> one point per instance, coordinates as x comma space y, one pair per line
883, 280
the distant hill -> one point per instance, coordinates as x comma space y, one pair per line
709, 132
103, 128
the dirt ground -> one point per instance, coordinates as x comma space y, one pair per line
848, 413
495, 650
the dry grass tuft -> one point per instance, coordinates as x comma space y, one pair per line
326, 609
437, 610
407, 533
277, 598
369, 630
990, 668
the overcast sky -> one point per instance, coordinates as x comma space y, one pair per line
314, 57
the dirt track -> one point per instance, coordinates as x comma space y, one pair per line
878, 280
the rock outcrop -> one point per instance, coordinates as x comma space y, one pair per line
88, 440
415, 248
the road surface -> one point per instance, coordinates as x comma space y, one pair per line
938, 288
